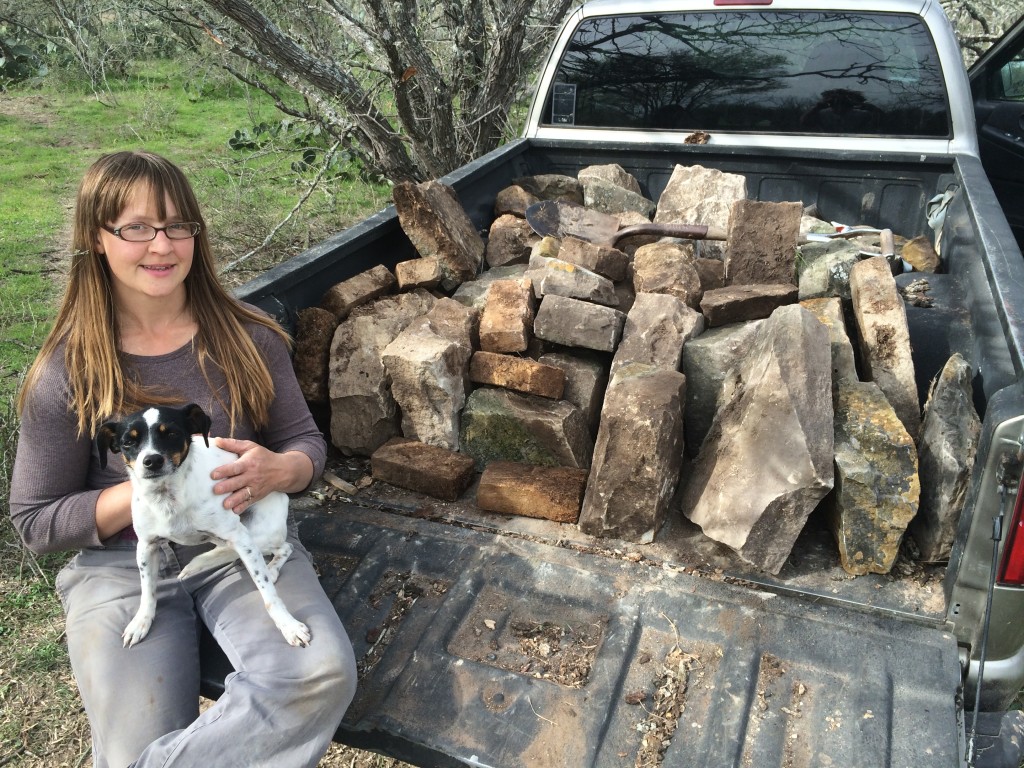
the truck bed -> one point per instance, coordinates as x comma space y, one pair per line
485, 640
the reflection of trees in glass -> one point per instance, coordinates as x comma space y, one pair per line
746, 70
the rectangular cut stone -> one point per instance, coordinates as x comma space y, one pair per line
345, 296
762, 242
556, 276
550, 493
638, 454
517, 373
585, 380
418, 273
830, 312
314, 330
423, 468
507, 319
610, 262
695, 194
739, 303
656, 328
576, 323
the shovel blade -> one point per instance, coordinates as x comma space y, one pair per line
551, 218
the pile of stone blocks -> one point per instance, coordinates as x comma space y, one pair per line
613, 387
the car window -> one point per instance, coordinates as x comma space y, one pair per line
821, 73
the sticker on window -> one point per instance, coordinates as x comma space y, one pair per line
563, 104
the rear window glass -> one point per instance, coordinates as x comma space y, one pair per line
820, 73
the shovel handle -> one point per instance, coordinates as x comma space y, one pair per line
687, 231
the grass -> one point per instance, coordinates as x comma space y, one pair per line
48, 136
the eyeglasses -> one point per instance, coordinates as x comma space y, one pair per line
143, 233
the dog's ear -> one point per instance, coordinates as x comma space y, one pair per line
197, 422
107, 440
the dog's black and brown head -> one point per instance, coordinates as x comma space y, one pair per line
154, 441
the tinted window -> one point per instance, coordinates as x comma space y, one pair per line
766, 72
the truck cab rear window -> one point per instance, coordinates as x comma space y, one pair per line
811, 73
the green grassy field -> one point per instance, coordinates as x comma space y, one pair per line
48, 136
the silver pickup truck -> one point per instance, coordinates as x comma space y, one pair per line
500, 641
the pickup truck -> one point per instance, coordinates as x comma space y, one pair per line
677, 652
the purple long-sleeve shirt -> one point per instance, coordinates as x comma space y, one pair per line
57, 477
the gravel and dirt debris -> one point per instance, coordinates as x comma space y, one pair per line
666, 706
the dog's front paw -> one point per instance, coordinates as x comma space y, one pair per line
295, 632
137, 629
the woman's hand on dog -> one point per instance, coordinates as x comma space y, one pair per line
257, 472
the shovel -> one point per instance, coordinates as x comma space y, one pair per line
557, 218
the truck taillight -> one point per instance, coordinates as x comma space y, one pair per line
1011, 570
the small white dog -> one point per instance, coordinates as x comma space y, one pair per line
169, 461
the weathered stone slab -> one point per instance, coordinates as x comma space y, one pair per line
345, 296
830, 312
509, 241
560, 278
549, 493
423, 468
314, 330
739, 303
575, 323
668, 267
501, 425
825, 269
762, 242
885, 338
637, 456
507, 320
876, 486
767, 460
517, 373
708, 362
418, 273
585, 381
656, 328
698, 195
428, 364
435, 221
608, 262
947, 448
364, 414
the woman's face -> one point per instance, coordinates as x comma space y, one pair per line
155, 269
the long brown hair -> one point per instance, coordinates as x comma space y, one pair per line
87, 322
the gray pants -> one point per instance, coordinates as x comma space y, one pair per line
280, 708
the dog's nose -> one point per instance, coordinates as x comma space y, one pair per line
153, 461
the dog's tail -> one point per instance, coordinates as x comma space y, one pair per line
216, 557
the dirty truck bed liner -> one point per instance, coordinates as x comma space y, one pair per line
467, 656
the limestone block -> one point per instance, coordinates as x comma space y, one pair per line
608, 262
507, 320
552, 186
608, 197
560, 278
667, 267
585, 380
509, 241
364, 414
437, 225
342, 298
513, 199
830, 312
499, 425
474, 293
418, 273
517, 373
767, 460
739, 303
698, 195
656, 328
950, 432
876, 487
709, 362
885, 338
711, 273
762, 242
612, 173
575, 323
428, 364
550, 493
637, 455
